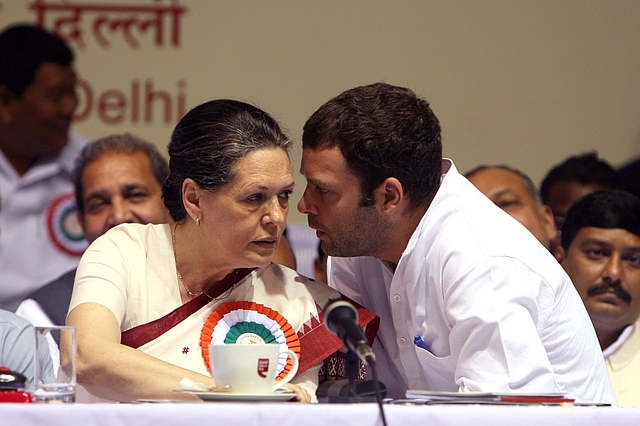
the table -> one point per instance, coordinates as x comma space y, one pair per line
294, 414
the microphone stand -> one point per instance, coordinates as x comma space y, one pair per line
352, 370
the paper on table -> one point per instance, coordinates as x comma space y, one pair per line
488, 397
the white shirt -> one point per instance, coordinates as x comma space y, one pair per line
494, 308
40, 237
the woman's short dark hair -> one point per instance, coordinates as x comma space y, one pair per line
608, 209
208, 142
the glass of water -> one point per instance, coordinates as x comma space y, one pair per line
55, 365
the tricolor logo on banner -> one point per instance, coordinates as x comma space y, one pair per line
63, 226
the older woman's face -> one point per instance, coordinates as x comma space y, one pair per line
246, 217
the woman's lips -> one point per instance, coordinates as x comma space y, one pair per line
267, 244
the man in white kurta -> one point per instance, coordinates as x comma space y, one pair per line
468, 299
495, 310
40, 237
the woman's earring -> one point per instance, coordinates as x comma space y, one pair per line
197, 221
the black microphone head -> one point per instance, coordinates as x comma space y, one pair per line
335, 311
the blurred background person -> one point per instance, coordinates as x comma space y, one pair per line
41, 238
629, 175
574, 178
601, 253
515, 193
118, 179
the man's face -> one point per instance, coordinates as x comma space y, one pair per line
604, 265
331, 202
41, 116
509, 191
120, 188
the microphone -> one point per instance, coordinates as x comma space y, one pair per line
341, 318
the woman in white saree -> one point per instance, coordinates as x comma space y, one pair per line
148, 299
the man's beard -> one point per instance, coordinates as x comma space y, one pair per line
364, 233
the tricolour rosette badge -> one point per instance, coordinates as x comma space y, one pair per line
250, 323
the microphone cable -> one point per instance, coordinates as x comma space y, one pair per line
376, 385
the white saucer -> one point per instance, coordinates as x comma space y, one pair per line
228, 396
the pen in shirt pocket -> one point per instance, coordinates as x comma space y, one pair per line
417, 340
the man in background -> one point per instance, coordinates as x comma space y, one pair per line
574, 178
629, 175
40, 237
118, 179
601, 253
515, 193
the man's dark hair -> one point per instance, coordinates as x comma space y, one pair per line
587, 169
23, 48
608, 209
382, 131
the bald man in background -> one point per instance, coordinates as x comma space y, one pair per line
515, 193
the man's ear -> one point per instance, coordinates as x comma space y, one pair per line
191, 196
391, 193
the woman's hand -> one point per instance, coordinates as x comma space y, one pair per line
110, 370
301, 394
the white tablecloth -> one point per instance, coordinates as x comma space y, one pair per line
294, 414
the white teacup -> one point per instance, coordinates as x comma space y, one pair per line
249, 369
